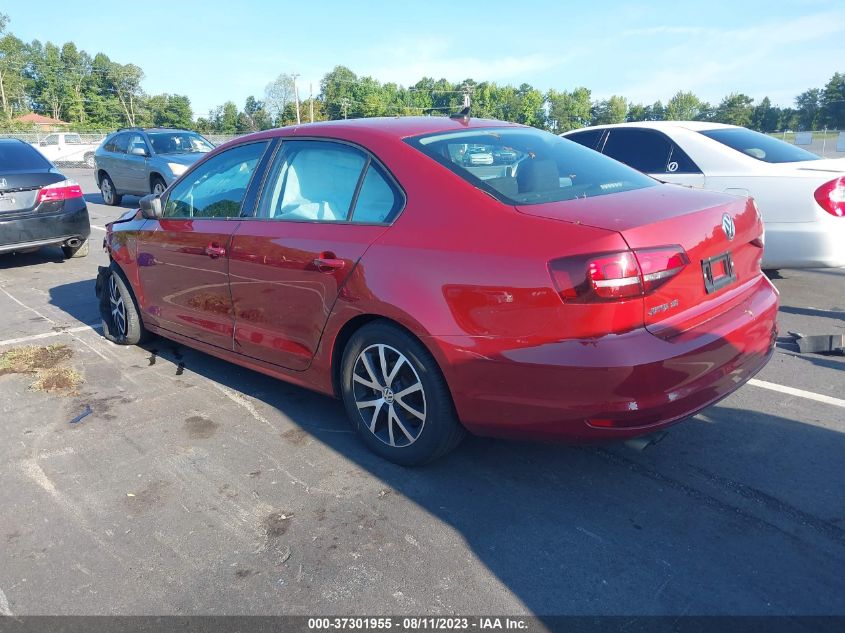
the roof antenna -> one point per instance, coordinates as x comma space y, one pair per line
463, 115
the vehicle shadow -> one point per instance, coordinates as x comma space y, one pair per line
44, 254
77, 299
128, 202
735, 512
814, 312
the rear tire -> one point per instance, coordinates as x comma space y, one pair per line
77, 251
396, 396
119, 311
110, 195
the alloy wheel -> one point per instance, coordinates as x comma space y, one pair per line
108, 192
159, 188
118, 307
389, 395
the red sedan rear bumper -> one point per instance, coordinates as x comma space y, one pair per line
608, 388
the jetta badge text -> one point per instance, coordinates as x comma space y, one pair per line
728, 226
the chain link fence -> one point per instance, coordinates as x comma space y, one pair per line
824, 143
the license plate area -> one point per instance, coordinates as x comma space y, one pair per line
718, 272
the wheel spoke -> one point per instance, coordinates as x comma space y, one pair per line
374, 419
412, 389
366, 362
363, 404
367, 383
391, 415
401, 426
393, 372
410, 409
383, 363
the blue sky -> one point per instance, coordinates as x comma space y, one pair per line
217, 51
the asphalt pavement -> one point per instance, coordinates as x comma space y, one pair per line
197, 487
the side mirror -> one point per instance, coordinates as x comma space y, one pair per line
151, 207
138, 151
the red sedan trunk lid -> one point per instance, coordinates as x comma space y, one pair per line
715, 230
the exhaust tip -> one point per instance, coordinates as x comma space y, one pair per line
644, 441
73, 242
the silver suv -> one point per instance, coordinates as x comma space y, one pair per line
139, 161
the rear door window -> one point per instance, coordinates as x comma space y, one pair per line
120, 143
643, 150
587, 138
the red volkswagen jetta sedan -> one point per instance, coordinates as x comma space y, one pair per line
549, 292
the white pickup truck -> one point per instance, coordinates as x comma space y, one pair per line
67, 147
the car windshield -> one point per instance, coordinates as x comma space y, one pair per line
759, 146
179, 143
21, 157
528, 166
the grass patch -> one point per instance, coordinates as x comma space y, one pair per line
31, 359
46, 363
57, 379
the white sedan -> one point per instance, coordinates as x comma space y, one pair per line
800, 196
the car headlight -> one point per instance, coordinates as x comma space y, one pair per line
177, 169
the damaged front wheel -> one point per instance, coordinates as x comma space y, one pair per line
118, 308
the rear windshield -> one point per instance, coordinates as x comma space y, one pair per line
21, 157
179, 143
759, 146
527, 166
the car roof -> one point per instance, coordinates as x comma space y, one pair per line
695, 126
9, 141
396, 127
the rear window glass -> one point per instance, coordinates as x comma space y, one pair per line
759, 146
21, 157
526, 166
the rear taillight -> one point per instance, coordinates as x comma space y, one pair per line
831, 197
616, 276
64, 190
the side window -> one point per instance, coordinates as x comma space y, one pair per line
312, 181
73, 139
680, 163
587, 138
216, 189
53, 139
378, 200
644, 150
136, 141
120, 143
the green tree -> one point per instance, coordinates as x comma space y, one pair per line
337, 92
13, 81
684, 106
569, 110
277, 94
808, 106
765, 117
832, 102
735, 109
608, 111
169, 111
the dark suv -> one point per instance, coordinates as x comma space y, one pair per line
139, 161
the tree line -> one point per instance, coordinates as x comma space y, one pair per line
94, 92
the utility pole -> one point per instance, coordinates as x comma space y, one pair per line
344, 103
311, 100
296, 97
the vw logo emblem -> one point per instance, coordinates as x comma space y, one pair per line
728, 226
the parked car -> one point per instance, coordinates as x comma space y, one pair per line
38, 205
801, 196
478, 156
567, 297
67, 148
140, 161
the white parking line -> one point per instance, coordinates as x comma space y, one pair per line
792, 391
37, 337
4, 605
99, 228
